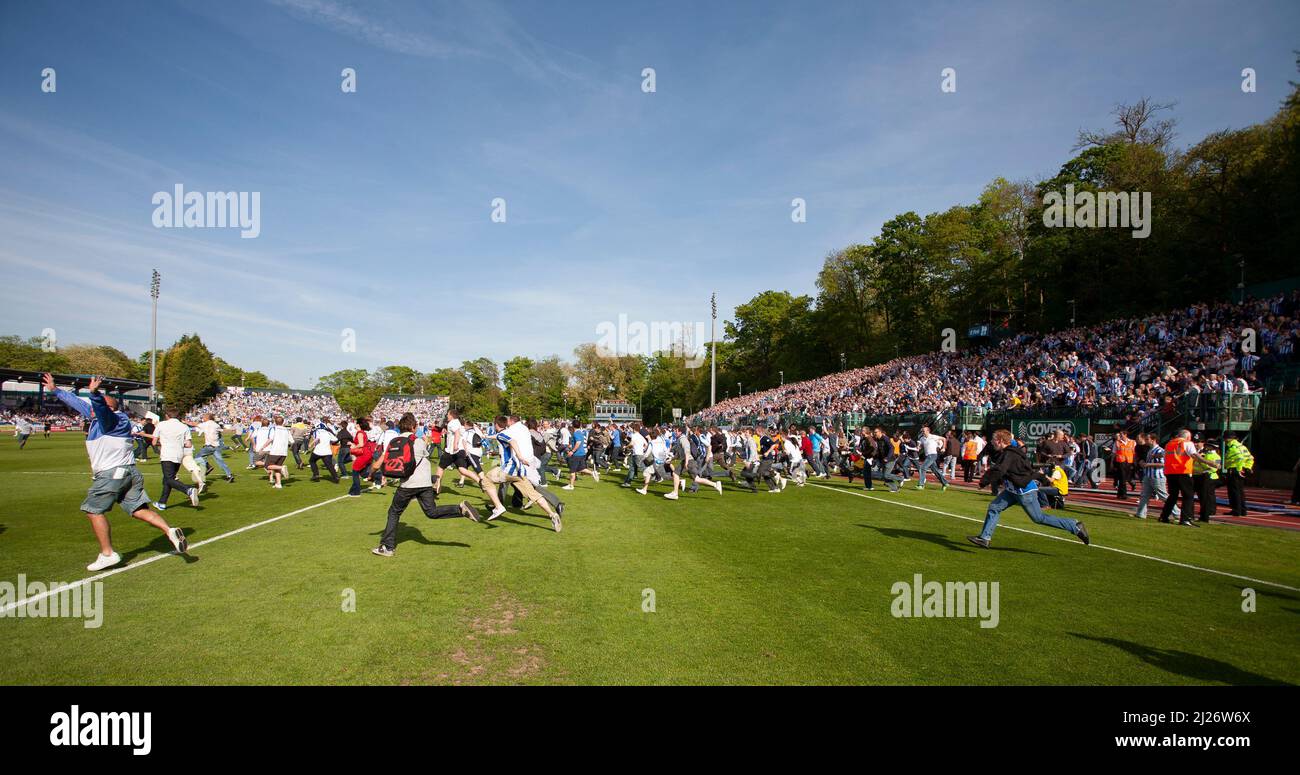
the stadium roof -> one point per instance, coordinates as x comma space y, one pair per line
112, 384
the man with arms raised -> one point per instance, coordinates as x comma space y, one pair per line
109, 445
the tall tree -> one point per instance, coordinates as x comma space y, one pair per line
191, 378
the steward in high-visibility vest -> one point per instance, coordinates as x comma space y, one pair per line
1205, 468
1125, 452
1180, 455
1205, 475
1237, 460
1237, 457
1177, 461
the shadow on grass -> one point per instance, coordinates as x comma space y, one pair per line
410, 533
2, 528
1266, 592
547, 527
161, 545
942, 540
1186, 664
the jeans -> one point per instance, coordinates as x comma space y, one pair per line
215, 453
1028, 502
635, 468
931, 463
355, 489
950, 467
1152, 487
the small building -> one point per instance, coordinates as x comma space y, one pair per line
617, 411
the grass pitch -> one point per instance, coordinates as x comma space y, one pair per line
747, 588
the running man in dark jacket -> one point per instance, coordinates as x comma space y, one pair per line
1009, 469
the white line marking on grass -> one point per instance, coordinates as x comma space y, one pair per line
34, 598
1071, 539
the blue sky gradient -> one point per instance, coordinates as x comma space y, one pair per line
375, 205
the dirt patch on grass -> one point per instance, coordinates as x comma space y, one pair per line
491, 651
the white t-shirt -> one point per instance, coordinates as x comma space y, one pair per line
638, 444
932, 444
520, 432
791, 449
454, 442
473, 441
324, 437
261, 435
172, 434
211, 432
281, 438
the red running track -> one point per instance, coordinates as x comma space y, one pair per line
1264, 507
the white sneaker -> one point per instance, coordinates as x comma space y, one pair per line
105, 561
279, 486
718, 486
159, 506
672, 496
555, 523
641, 490
496, 513
567, 487
194, 496
177, 537
595, 475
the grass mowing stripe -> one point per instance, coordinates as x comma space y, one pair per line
1069, 540
36, 598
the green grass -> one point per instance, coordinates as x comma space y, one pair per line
787, 588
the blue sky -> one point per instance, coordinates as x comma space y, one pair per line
375, 211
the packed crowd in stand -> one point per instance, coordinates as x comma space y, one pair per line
426, 410
1132, 364
235, 405
43, 417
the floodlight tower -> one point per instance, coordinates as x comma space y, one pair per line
713, 360
153, 346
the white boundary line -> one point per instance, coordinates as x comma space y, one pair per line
35, 598
1062, 538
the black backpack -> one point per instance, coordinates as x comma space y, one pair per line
400, 459
539, 447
